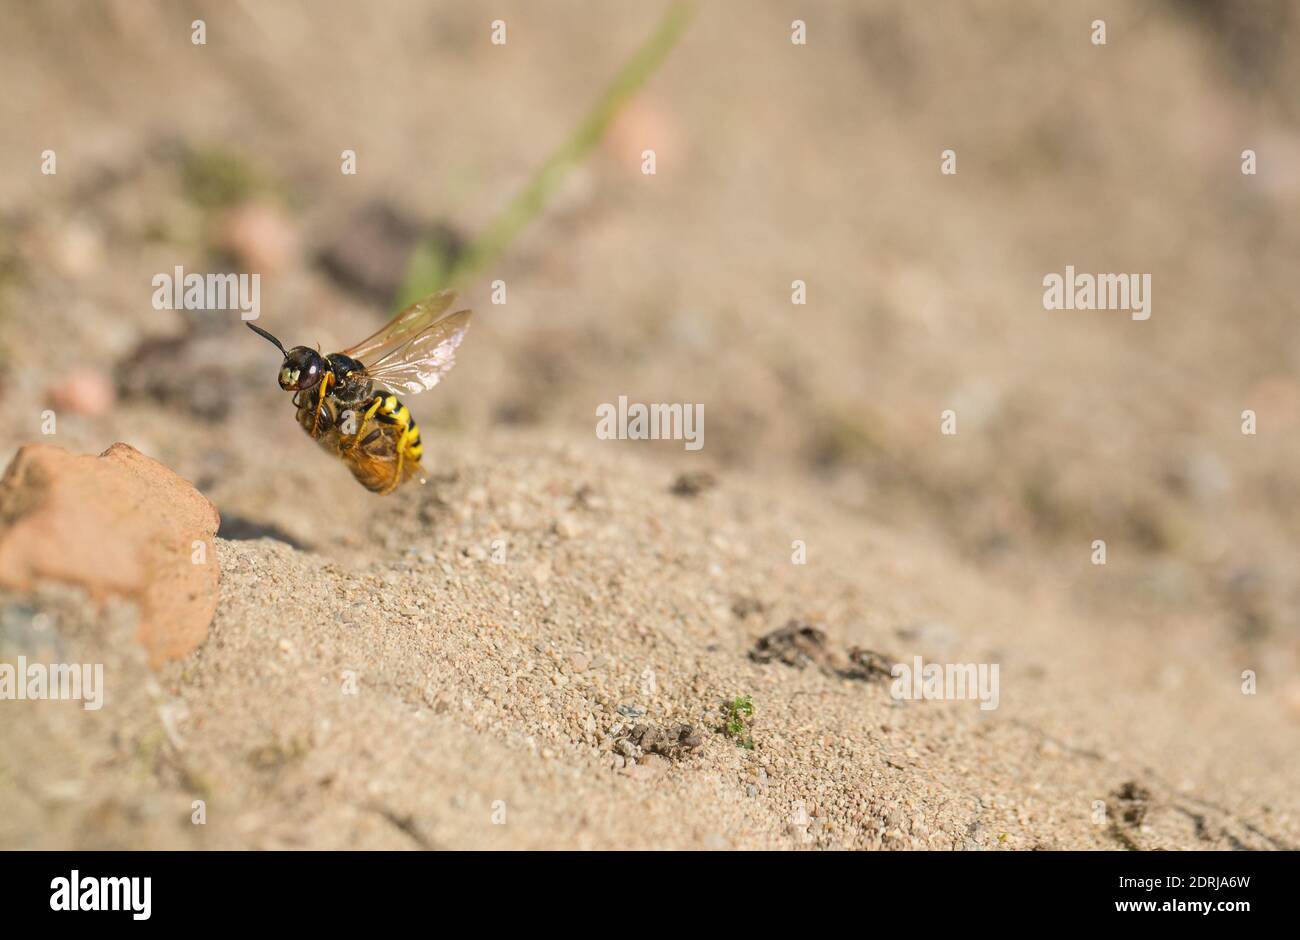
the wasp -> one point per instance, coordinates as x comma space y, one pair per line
347, 401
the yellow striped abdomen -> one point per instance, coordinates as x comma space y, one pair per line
392, 411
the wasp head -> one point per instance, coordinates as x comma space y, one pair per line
303, 367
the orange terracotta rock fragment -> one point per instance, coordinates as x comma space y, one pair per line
118, 525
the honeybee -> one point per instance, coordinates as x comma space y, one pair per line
348, 400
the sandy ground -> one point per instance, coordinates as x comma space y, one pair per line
374, 678
395, 704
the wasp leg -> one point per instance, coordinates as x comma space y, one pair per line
325, 385
402, 444
397, 476
397, 473
365, 419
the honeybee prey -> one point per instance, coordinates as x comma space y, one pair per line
348, 400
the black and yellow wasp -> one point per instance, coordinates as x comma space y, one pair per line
348, 400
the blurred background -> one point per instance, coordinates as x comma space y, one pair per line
775, 162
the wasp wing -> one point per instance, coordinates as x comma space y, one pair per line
419, 362
402, 327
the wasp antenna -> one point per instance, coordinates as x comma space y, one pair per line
261, 332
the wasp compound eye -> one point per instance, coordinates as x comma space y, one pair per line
303, 368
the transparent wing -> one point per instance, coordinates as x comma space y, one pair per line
419, 362
402, 327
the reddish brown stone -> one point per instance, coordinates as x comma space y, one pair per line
119, 525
